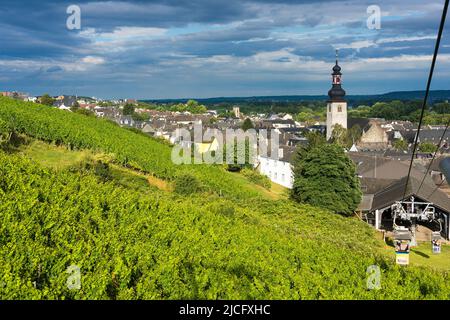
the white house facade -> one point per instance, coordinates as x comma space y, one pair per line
278, 170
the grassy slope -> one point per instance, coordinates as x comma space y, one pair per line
257, 249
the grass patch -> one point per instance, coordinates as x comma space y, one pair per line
131, 179
51, 156
422, 255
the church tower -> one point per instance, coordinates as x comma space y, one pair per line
337, 106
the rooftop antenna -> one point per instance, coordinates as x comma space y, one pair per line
337, 55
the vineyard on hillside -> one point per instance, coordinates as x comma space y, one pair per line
129, 244
129, 148
133, 246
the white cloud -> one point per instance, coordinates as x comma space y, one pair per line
93, 60
123, 34
358, 45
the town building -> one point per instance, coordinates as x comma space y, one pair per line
278, 167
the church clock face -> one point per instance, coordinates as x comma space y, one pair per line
337, 79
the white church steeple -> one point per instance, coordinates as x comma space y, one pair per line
337, 106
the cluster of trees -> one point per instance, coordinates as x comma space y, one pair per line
269, 107
191, 106
129, 110
426, 147
46, 100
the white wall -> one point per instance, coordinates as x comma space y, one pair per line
336, 114
278, 171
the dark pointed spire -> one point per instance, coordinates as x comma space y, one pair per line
336, 93
337, 68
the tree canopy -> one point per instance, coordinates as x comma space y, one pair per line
247, 124
128, 109
326, 177
47, 100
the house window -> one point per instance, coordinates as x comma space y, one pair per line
339, 108
275, 175
329, 108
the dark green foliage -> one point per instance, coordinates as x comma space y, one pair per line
128, 109
325, 177
315, 139
186, 184
400, 145
95, 167
439, 113
442, 108
75, 106
140, 116
247, 124
85, 112
47, 100
427, 147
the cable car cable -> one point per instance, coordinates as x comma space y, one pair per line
427, 92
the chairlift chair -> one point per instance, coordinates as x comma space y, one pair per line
402, 242
436, 242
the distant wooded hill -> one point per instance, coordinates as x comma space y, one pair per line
435, 96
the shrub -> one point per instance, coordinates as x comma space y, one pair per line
257, 178
186, 184
97, 167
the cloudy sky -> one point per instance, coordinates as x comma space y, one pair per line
210, 48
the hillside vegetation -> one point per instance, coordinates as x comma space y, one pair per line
129, 148
131, 244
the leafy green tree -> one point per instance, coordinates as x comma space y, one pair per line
434, 118
128, 109
75, 106
384, 110
140, 116
47, 100
339, 135
315, 139
427, 147
326, 177
360, 112
354, 134
415, 116
443, 107
247, 124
